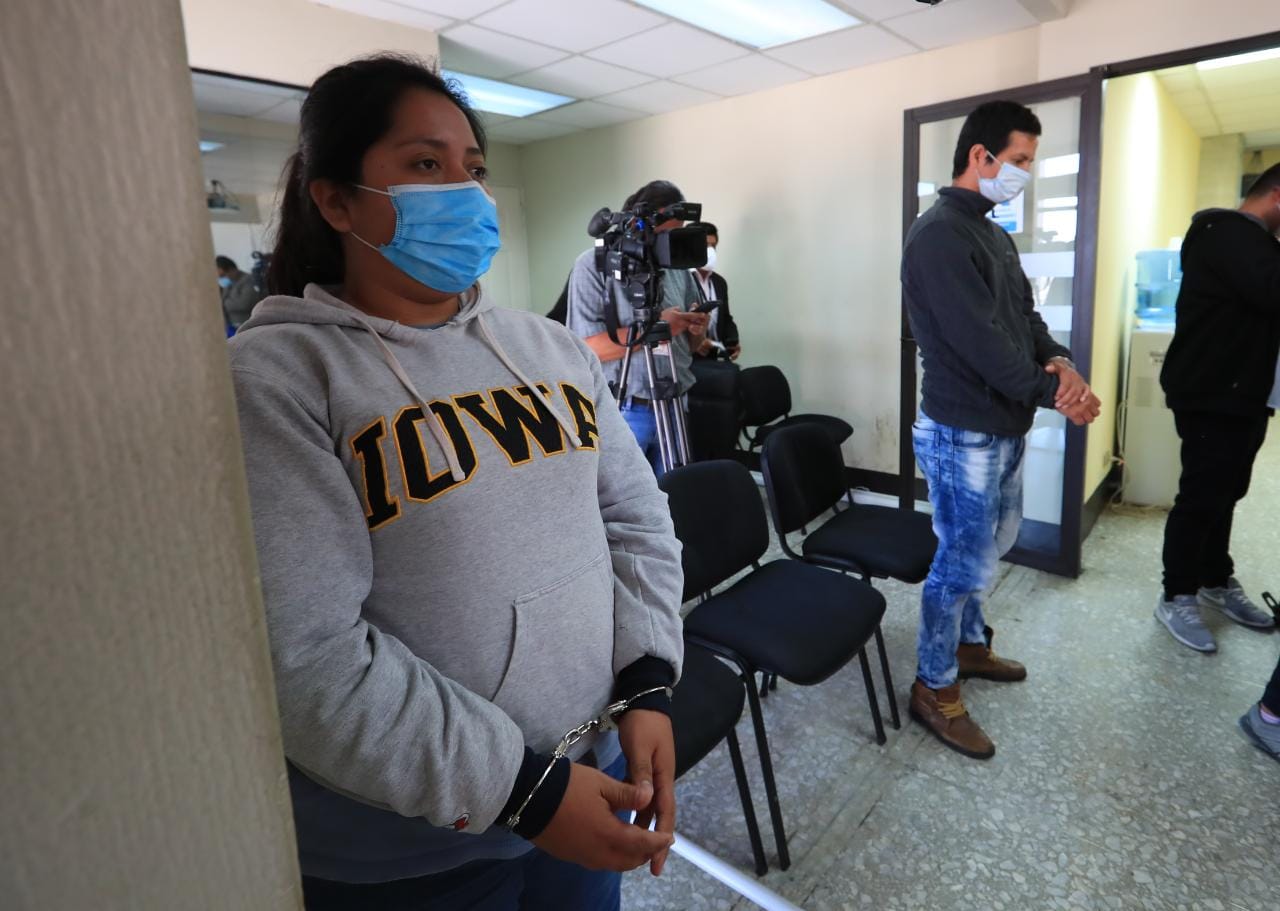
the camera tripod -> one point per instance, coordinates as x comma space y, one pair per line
668, 411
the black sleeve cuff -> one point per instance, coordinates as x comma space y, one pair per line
645, 674
545, 802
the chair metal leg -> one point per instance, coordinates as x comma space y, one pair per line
871, 695
748, 809
766, 768
888, 681
764, 684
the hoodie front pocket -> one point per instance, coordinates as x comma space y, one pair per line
561, 668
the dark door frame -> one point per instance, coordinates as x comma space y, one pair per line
1089, 88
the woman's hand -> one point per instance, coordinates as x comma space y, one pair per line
650, 748
585, 831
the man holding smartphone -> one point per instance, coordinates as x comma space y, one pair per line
589, 296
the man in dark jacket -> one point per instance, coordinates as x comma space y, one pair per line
989, 362
1218, 378
721, 329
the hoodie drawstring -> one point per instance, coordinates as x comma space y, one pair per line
433, 420
563, 421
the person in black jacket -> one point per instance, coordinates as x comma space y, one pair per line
1218, 378
989, 363
713, 287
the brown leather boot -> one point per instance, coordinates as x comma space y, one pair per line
943, 712
978, 660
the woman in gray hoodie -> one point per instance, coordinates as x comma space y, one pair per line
464, 555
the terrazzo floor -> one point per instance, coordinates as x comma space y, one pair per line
1120, 780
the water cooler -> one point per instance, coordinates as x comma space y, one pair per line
1150, 442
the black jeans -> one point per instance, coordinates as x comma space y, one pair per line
1271, 698
1218, 451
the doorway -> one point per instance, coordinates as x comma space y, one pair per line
1111, 130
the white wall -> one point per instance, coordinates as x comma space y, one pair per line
290, 41
805, 184
140, 765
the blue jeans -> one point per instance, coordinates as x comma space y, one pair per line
532, 882
645, 427
975, 486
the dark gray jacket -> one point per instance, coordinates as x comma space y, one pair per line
982, 343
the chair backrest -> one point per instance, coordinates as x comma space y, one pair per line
715, 406
803, 474
766, 395
719, 519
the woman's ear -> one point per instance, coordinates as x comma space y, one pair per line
333, 200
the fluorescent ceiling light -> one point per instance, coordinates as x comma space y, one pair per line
504, 98
1253, 57
924, 188
1060, 166
208, 145
1059, 202
758, 23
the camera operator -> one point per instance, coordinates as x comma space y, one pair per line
722, 332
590, 296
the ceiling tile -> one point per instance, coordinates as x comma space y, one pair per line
287, 111
454, 9
843, 50
879, 10
660, 97
670, 49
492, 120
529, 130
746, 74
960, 21
588, 114
481, 52
582, 77
574, 25
390, 12
239, 97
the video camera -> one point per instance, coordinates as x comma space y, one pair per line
631, 249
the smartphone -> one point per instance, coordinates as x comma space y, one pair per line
706, 307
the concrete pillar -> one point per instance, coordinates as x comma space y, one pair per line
140, 758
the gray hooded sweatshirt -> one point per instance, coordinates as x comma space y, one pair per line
441, 591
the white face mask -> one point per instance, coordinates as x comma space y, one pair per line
1006, 185
711, 260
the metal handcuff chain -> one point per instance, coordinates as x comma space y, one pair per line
605, 721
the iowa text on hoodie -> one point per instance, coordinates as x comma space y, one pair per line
460, 545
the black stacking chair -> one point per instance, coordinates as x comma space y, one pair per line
705, 708
786, 618
804, 477
766, 398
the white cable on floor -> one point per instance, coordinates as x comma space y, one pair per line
731, 876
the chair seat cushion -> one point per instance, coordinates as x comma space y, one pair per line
834, 427
799, 621
886, 542
705, 706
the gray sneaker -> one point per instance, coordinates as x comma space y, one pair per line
1181, 617
1265, 737
1233, 602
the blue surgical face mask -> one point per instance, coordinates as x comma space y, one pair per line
1006, 185
446, 234
225, 281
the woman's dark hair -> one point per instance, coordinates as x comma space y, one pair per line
712, 230
657, 193
990, 125
347, 110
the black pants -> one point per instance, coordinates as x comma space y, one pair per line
1271, 698
1218, 451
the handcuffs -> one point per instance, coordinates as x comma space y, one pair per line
601, 723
